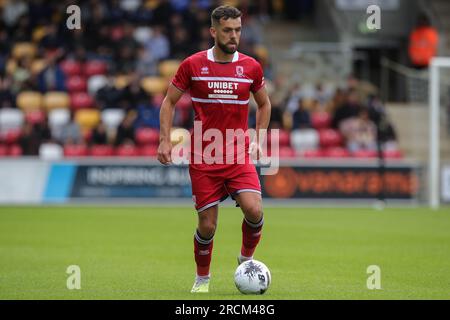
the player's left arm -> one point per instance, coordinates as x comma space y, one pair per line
262, 118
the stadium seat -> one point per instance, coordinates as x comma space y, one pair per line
95, 83
101, 151
312, 154
321, 120
75, 150
3, 150
37, 66
24, 49
29, 100
285, 138
35, 116
287, 152
58, 117
11, 119
38, 34
87, 118
76, 84
56, 100
154, 85
330, 138
121, 81
393, 154
15, 151
365, 154
168, 68
149, 150
95, 67
304, 139
71, 68
51, 151
336, 152
81, 100
12, 136
145, 136
127, 150
112, 118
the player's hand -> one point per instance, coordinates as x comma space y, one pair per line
255, 151
164, 152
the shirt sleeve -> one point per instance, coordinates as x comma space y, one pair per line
182, 79
258, 80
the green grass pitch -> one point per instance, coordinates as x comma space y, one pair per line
147, 253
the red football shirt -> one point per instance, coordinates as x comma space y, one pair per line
220, 94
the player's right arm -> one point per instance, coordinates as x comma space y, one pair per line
166, 119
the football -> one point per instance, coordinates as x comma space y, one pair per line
252, 277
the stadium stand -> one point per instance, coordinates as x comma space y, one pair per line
112, 74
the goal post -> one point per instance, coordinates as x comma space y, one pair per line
437, 64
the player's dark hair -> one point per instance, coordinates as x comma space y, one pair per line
224, 12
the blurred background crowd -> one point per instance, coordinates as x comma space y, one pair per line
96, 91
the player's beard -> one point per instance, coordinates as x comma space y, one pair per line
225, 49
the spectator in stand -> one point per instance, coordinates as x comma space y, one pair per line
147, 65
133, 94
148, 116
125, 131
52, 78
99, 135
71, 133
360, 132
32, 137
350, 108
301, 118
7, 99
276, 116
158, 46
109, 96
423, 43
21, 77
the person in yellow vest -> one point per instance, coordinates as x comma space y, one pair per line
423, 43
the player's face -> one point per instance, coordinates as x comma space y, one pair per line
227, 34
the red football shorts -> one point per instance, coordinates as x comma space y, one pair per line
214, 185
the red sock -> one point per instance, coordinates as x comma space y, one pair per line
251, 234
202, 252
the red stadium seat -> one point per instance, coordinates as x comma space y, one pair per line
12, 136
95, 67
285, 138
336, 152
127, 150
393, 154
101, 151
330, 138
81, 100
15, 151
36, 116
146, 136
287, 152
76, 84
365, 154
71, 67
312, 154
321, 120
149, 151
75, 150
3, 150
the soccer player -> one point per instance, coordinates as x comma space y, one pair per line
219, 81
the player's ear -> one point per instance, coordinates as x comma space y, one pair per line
213, 31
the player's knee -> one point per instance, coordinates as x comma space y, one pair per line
207, 229
254, 213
